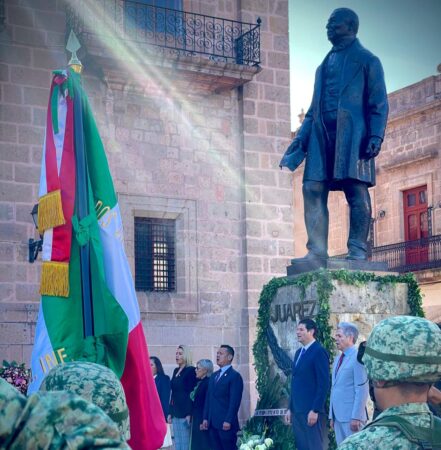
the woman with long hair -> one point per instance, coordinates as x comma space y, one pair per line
162, 382
182, 384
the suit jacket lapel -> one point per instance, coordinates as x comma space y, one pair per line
214, 376
341, 366
351, 65
345, 361
223, 376
296, 357
306, 354
318, 88
317, 107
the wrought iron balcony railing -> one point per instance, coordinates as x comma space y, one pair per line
178, 32
409, 256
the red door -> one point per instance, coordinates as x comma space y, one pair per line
415, 224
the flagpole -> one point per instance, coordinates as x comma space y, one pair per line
82, 194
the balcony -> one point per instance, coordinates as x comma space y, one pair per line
196, 50
408, 256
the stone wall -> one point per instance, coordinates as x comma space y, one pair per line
268, 191
31, 44
210, 155
411, 156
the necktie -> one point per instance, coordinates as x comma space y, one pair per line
302, 351
339, 363
218, 376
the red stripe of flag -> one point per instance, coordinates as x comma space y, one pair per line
140, 389
62, 235
52, 180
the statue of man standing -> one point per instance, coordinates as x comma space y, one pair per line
340, 136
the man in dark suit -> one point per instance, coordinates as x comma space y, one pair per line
222, 402
309, 388
341, 135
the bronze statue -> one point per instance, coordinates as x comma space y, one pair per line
340, 136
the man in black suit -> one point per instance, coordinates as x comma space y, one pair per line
309, 388
222, 402
341, 135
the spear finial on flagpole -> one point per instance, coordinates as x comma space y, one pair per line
73, 45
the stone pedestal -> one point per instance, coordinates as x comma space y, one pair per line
297, 267
364, 298
363, 304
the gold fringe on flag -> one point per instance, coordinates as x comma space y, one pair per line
50, 211
55, 279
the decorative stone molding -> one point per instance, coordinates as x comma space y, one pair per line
185, 299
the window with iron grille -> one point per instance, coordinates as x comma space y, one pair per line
155, 254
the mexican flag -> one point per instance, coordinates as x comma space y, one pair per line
89, 310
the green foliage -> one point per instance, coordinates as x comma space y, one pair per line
270, 397
12, 364
272, 391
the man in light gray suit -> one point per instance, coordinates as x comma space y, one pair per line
350, 387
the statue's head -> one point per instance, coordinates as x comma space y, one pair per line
342, 23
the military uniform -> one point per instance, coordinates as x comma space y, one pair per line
96, 384
55, 421
388, 438
400, 350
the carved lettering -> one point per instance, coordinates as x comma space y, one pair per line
275, 318
297, 310
282, 317
312, 304
290, 312
294, 311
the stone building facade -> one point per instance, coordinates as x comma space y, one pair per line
410, 159
188, 137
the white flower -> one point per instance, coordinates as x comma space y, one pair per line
268, 442
260, 447
245, 447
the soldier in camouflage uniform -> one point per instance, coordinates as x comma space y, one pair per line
55, 421
95, 383
403, 359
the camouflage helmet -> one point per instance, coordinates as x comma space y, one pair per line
95, 383
404, 348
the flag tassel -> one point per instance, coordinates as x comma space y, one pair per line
50, 211
55, 279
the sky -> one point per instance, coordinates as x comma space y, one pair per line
404, 34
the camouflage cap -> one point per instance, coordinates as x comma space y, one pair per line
95, 383
55, 420
11, 406
404, 348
